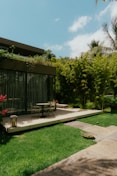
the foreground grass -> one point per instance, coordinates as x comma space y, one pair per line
32, 151
105, 119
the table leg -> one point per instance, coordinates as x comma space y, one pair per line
42, 111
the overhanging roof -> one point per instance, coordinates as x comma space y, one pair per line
22, 49
17, 65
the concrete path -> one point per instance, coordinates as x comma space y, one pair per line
98, 132
97, 160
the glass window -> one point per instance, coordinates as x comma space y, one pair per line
12, 84
36, 89
24, 90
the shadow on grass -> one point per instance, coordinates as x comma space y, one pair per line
27, 172
82, 166
4, 136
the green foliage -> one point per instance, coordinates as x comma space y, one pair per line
107, 101
113, 74
101, 79
65, 87
81, 80
43, 59
113, 101
110, 101
3, 52
84, 79
90, 105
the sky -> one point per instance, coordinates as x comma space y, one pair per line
65, 27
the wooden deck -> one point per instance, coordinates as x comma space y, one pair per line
33, 121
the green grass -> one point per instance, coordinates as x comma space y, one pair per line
105, 119
32, 151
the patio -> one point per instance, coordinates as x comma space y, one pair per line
33, 121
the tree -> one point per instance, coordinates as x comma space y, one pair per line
113, 68
101, 78
65, 83
96, 48
93, 44
113, 40
48, 54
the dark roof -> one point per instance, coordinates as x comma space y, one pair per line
20, 48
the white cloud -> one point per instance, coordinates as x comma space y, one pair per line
111, 9
104, 12
80, 43
79, 23
53, 47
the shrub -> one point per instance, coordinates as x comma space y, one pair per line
90, 105
110, 101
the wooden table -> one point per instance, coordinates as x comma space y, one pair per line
43, 105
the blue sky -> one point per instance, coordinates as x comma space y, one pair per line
66, 27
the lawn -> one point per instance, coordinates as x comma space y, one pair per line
32, 151
105, 119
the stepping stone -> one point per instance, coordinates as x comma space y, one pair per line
87, 135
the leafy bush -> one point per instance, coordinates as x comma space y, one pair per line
113, 101
90, 105
110, 101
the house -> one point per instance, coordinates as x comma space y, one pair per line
25, 84
19, 48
